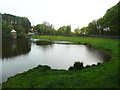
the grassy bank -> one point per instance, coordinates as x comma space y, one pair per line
101, 76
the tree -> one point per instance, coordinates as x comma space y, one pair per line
77, 31
10, 27
64, 30
44, 28
83, 30
20, 24
92, 28
68, 30
19, 29
109, 20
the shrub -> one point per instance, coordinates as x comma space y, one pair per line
43, 68
98, 63
71, 68
93, 65
87, 66
78, 65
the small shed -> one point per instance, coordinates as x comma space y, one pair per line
13, 33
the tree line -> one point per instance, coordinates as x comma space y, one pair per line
46, 28
109, 24
9, 22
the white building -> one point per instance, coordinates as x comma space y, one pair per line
13, 33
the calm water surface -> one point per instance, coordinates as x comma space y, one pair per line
23, 54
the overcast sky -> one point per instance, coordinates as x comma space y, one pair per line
77, 13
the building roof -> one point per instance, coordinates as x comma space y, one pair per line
13, 30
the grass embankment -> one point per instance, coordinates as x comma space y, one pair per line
101, 76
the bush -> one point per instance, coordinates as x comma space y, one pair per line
22, 35
87, 66
71, 68
43, 68
46, 67
78, 65
93, 65
98, 63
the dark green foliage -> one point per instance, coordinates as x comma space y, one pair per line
87, 66
78, 65
43, 68
71, 68
77, 31
46, 67
64, 30
39, 66
82, 31
92, 28
44, 28
20, 24
22, 35
98, 63
109, 20
93, 65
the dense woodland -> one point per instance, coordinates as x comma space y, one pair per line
21, 24
109, 24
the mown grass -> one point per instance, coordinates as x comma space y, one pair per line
101, 76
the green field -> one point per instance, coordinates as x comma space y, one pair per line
100, 76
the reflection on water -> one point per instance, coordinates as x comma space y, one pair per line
99, 54
23, 54
15, 47
0, 48
0, 62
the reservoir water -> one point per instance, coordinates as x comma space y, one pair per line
20, 55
